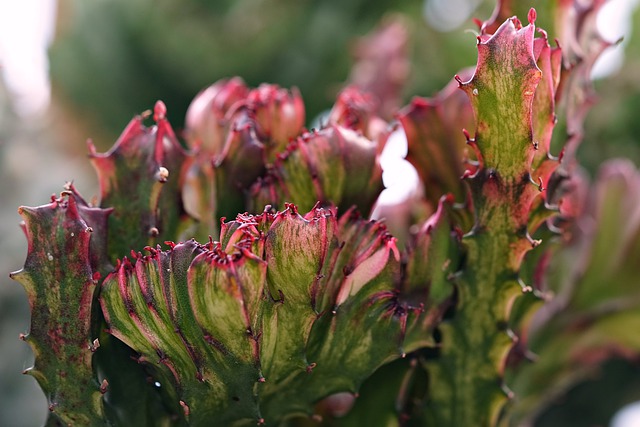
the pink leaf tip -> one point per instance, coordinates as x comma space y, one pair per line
159, 111
531, 17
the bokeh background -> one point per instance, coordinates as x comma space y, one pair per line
77, 69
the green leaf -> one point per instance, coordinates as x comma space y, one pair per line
436, 142
283, 311
60, 284
141, 179
335, 165
477, 339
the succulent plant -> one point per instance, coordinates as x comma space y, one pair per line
242, 281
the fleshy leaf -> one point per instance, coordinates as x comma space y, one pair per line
60, 284
335, 166
238, 166
238, 134
596, 307
576, 26
141, 179
431, 261
209, 115
149, 306
98, 219
424, 292
501, 92
477, 338
262, 323
436, 143
280, 117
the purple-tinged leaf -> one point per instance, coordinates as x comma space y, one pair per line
279, 115
335, 166
60, 282
436, 143
283, 311
595, 306
209, 115
141, 178
355, 109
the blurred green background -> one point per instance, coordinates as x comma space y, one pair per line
112, 59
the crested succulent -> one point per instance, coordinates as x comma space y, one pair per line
242, 280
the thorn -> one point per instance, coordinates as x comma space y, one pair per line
310, 367
91, 147
540, 184
262, 379
95, 345
260, 421
104, 386
536, 145
534, 242
525, 288
553, 227
185, 408
22, 337
510, 394
467, 136
153, 232
52, 406
162, 175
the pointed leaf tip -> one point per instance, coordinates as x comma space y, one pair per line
159, 111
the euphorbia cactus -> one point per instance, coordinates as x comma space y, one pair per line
298, 309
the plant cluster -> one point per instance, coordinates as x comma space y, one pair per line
239, 280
